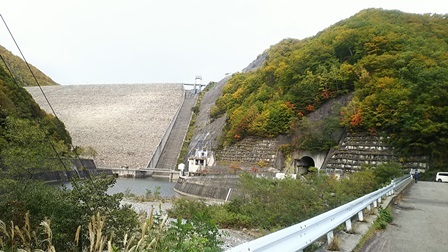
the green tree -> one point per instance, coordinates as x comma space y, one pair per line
386, 171
67, 209
28, 151
90, 197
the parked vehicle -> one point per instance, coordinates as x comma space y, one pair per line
442, 177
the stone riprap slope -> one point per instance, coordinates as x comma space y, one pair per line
123, 123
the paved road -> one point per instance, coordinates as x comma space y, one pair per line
420, 222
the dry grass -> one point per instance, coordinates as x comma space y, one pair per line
334, 245
147, 240
24, 238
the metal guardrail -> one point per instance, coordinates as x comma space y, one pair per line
303, 234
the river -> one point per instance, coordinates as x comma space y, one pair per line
138, 186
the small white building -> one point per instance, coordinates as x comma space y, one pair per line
200, 161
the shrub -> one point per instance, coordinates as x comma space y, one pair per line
67, 209
385, 172
384, 217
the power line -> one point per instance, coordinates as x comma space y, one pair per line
37, 118
27, 100
75, 184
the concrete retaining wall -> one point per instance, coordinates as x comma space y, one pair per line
353, 151
252, 150
358, 149
210, 187
67, 175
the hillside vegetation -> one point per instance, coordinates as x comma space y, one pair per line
21, 72
32, 142
394, 63
25, 134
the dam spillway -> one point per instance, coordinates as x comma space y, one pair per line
124, 123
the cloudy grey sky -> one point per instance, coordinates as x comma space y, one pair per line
159, 41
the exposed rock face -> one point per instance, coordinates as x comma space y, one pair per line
123, 123
258, 62
207, 132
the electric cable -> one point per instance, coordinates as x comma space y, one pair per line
75, 185
43, 93
36, 117
37, 82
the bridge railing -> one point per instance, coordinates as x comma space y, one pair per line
303, 234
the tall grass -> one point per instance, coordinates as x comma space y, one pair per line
154, 234
15, 238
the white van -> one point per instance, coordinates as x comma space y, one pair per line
442, 177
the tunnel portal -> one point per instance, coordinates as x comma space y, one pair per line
303, 164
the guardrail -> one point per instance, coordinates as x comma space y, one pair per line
303, 234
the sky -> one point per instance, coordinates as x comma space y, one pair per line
167, 41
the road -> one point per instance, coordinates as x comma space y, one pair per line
420, 222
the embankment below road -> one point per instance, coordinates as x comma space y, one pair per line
220, 187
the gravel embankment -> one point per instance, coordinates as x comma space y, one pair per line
123, 123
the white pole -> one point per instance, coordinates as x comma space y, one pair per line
228, 194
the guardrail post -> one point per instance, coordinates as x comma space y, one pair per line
330, 237
360, 216
393, 187
379, 200
348, 225
369, 208
375, 204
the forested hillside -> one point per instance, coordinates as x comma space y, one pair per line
25, 134
21, 72
395, 64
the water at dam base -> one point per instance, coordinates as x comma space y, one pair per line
139, 186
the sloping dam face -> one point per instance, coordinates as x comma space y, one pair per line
123, 123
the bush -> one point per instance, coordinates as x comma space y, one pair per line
67, 209
155, 234
273, 204
429, 175
385, 172
384, 218
185, 209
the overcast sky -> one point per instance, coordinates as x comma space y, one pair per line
167, 41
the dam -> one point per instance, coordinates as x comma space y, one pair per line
123, 123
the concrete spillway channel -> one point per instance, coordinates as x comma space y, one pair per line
170, 153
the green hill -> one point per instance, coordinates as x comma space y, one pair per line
395, 64
21, 72
25, 134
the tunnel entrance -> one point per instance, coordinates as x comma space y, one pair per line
302, 165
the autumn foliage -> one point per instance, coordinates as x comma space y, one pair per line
395, 64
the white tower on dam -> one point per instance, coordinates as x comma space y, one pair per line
197, 84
